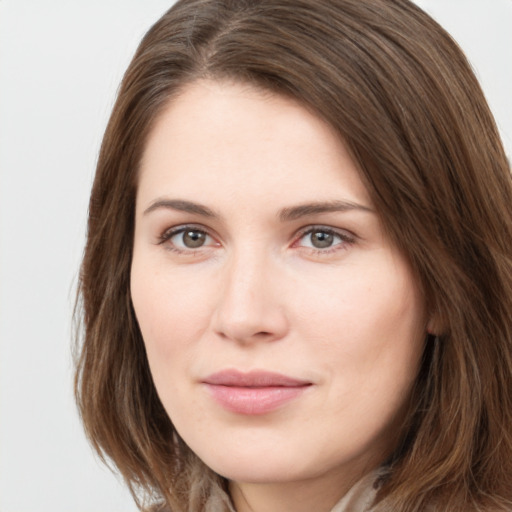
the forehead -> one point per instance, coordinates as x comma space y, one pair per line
229, 138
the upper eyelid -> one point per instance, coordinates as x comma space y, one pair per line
174, 230
330, 229
164, 239
168, 233
305, 229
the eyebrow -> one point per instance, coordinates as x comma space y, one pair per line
182, 206
303, 210
285, 215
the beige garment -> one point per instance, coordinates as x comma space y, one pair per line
360, 497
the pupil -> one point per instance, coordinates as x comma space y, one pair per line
321, 240
193, 239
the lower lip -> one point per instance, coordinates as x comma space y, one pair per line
253, 401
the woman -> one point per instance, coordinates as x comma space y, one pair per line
297, 283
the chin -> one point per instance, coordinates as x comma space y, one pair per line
259, 471
251, 462
269, 462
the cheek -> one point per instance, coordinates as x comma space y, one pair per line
170, 309
371, 340
355, 304
369, 327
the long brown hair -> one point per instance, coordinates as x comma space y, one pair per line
402, 96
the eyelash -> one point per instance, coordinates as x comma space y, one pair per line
170, 233
346, 239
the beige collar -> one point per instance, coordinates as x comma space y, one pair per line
360, 497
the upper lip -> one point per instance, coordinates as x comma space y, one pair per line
253, 379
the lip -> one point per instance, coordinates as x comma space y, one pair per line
255, 392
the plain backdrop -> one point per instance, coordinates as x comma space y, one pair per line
60, 64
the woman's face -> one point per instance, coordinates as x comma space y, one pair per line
283, 329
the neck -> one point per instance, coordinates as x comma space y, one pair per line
320, 494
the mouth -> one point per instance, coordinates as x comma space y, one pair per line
253, 393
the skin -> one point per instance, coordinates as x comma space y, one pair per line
257, 292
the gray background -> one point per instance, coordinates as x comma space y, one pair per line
60, 65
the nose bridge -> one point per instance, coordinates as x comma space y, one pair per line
249, 306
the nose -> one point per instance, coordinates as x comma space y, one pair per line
250, 307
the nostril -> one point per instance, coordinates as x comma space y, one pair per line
248, 317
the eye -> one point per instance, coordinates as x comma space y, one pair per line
187, 238
323, 238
